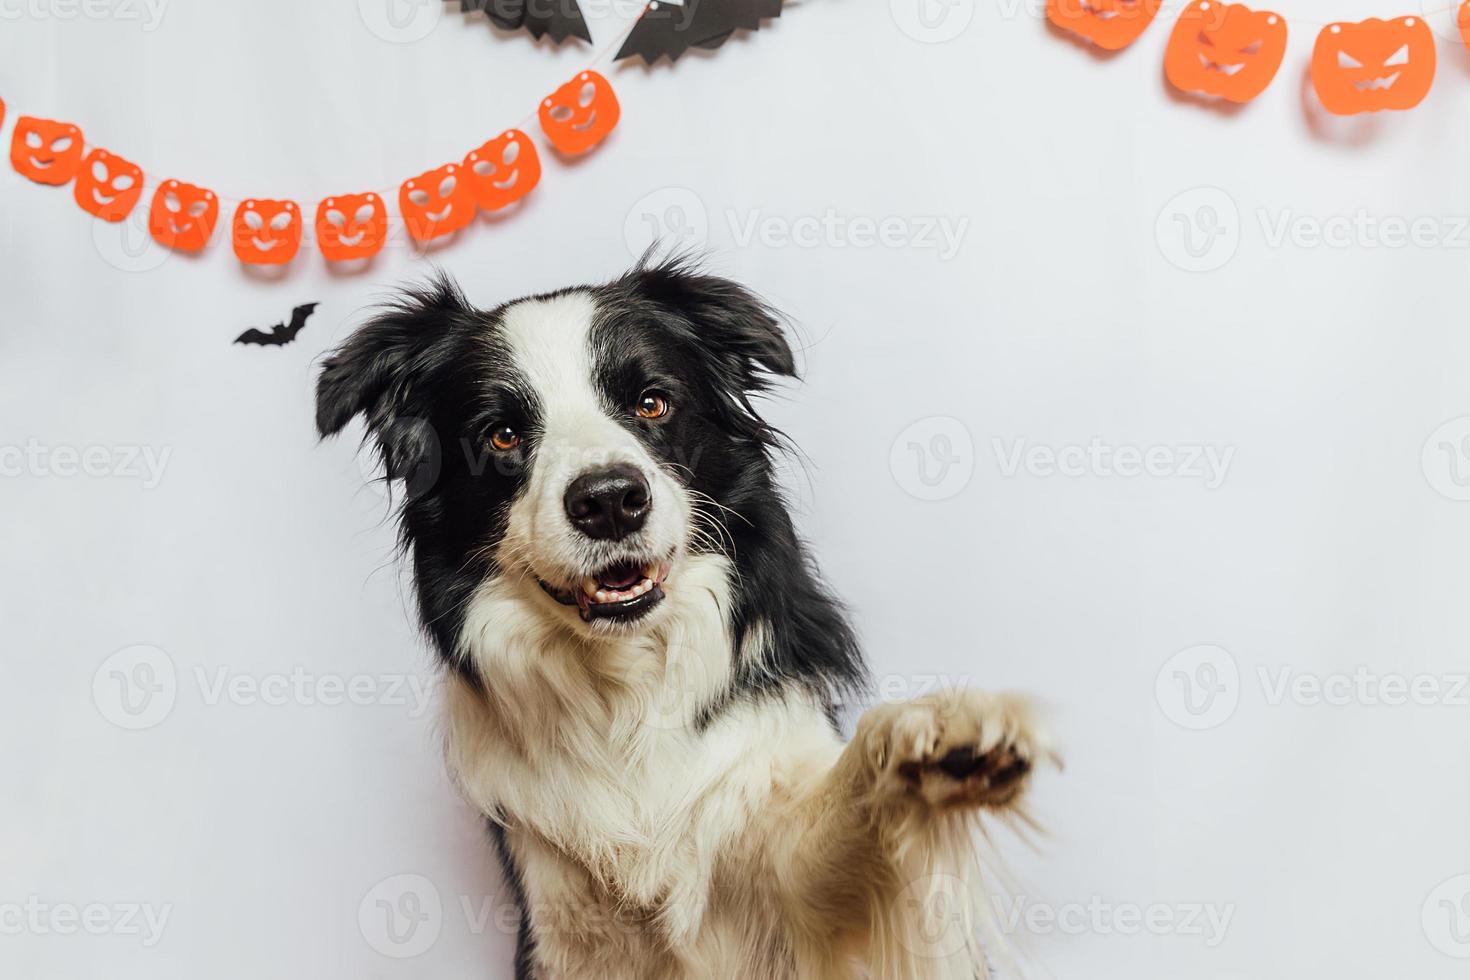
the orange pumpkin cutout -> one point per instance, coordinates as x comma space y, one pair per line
46, 151
504, 170
1373, 64
580, 114
182, 216
107, 186
351, 226
266, 232
1464, 19
1110, 24
1225, 50
437, 203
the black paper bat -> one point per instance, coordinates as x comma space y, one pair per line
673, 28
559, 18
281, 334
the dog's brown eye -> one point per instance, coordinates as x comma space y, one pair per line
504, 438
653, 404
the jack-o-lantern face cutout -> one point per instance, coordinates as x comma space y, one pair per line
1373, 64
351, 226
436, 203
504, 170
266, 232
107, 185
46, 151
1226, 50
580, 114
182, 216
1110, 24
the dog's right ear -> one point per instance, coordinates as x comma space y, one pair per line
378, 371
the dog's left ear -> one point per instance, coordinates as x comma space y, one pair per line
385, 367
730, 320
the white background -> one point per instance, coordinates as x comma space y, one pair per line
1330, 834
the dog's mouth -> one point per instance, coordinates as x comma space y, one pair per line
621, 592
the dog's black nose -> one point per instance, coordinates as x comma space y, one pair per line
608, 504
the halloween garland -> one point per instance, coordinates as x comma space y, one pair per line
574, 119
1230, 52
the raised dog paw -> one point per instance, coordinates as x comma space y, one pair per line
958, 748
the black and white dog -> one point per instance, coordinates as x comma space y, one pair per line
644, 667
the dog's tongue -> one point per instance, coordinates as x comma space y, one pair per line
620, 576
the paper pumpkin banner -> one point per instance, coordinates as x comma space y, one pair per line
351, 226
1228, 51
1232, 52
580, 114
500, 172
1373, 64
46, 151
671, 27
1109, 24
182, 216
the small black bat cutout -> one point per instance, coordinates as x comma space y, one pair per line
559, 18
672, 28
281, 334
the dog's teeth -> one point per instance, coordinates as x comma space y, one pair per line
601, 595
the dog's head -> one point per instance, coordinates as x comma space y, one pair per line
580, 446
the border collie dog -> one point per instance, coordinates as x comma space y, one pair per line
643, 668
